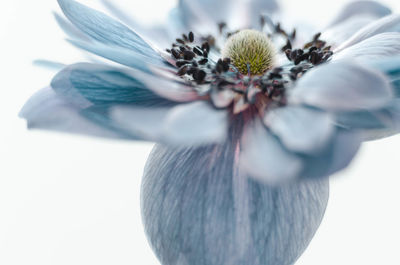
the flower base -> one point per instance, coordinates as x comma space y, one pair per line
199, 210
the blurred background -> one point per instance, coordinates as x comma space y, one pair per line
75, 200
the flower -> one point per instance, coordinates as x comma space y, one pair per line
250, 117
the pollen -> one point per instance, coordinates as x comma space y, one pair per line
250, 51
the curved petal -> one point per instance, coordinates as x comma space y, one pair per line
265, 159
204, 15
342, 86
199, 208
377, 47
336, 157
301, 129
390, 66
375, 124
358, 8
389, 23
86, 84
49, 111
119, 55
340, 32
190, 124
157, 34
104, 29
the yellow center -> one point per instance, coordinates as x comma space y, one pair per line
250, 49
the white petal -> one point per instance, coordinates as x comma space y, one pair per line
189, 124
264, 158
342, 86
389, 23
377, 47
301, 129
358, 8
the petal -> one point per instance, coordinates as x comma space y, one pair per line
377, 47
336, 157
155, 34
358, 8
204, 15
86, 84
69, 29
265, 159
174, 90
342, 86
338, 33
389, 23
375, 124
48, 110
390, 66
104, 29
120, 55
301, 129
198, 208
190, 124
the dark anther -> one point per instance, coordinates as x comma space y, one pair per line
316, 36
183, 70
203, 61
313, 48
227, 60
197, 51
188, 55
288, 52
205, 54
182, 48
221, 27
168, 50
199, 75
180, 63
296, 69
185, 37
175, 53
205, 47
315, 58
192, 70
225, 66
195, 64
293, 35
191, 36
219, 67
180, 41
288, 46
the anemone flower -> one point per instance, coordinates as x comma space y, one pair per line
249, 118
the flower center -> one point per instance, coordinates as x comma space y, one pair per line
250, 52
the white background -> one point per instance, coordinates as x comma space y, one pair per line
75, 200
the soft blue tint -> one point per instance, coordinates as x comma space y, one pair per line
199, 209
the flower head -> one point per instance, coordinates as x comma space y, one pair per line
248, 101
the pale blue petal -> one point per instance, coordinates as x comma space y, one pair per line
104, 29
336, 34
47, 110
337, 156
156, 34
200, 209
389, 23
265, 159
205, 15
69, 29
184, 125
361, 8
390, 66
342, 86
86, 84
301, 129
120, 55
378, 47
